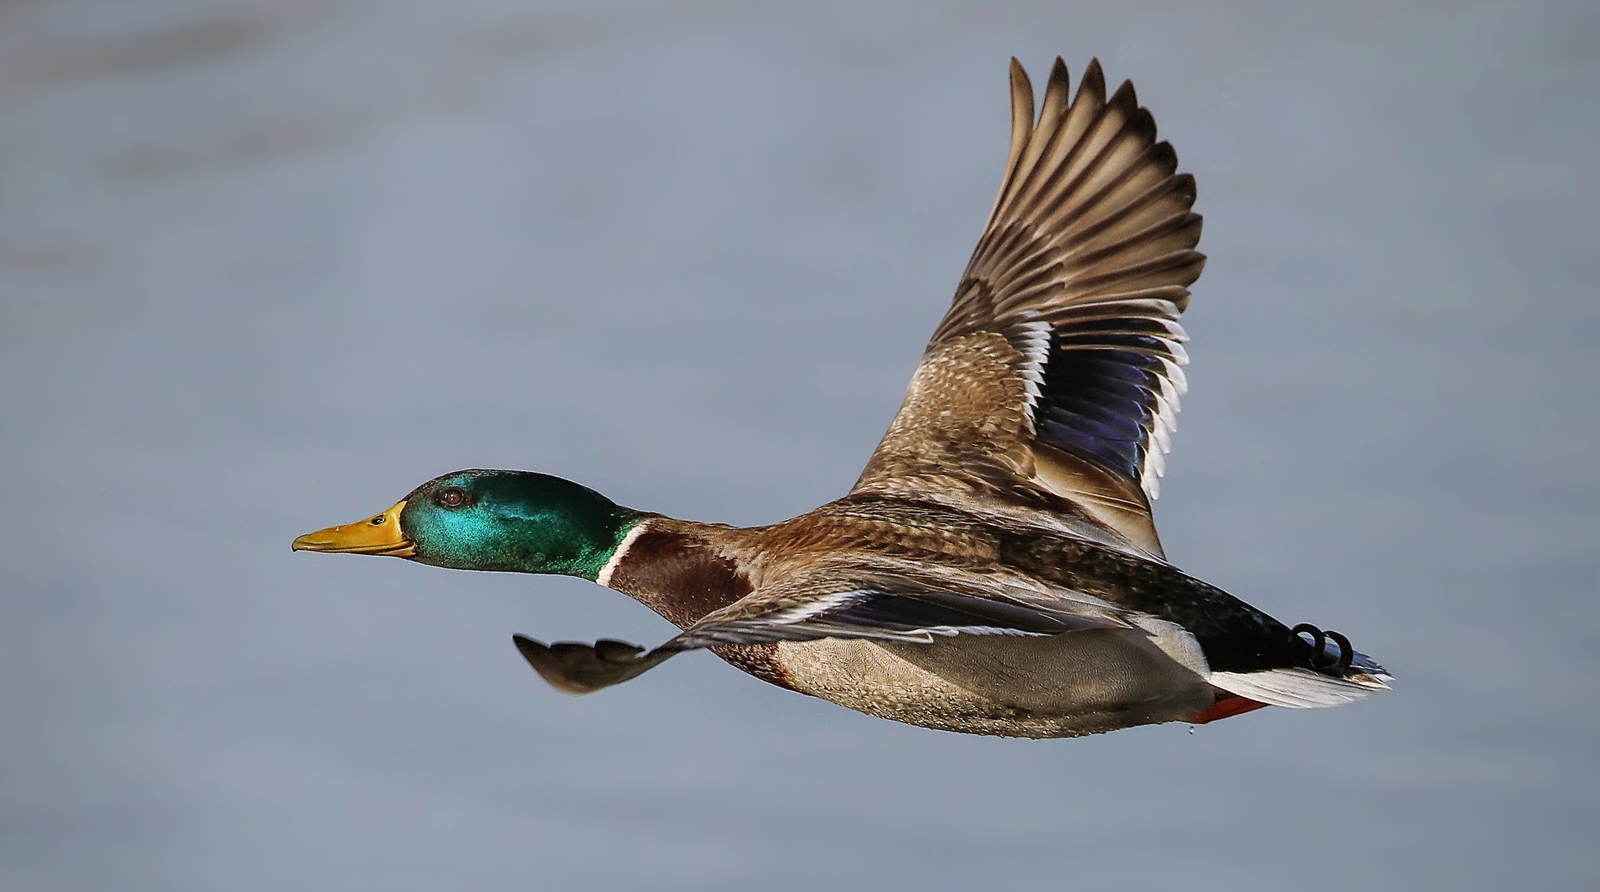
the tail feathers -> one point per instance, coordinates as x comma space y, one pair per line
1305, 689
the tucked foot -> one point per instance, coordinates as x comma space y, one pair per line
1331, 652
584, 668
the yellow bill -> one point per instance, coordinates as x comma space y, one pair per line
375, 535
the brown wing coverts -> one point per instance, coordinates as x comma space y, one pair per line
1073, 294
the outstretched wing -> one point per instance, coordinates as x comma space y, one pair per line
1057, 368
836, 601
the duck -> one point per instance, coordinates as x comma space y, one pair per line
995, 569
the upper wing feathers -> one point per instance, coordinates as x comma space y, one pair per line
1058, 365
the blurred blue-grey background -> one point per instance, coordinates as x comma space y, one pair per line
265, 266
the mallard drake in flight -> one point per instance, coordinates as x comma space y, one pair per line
995, 570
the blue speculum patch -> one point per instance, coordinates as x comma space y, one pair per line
1099, 396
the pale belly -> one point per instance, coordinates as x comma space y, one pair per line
1058, 686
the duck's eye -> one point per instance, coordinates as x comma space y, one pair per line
453, 498
378, 521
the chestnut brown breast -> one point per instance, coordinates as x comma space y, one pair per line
679, 574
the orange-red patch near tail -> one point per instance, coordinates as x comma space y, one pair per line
1226, 706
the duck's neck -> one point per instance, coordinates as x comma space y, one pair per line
675, 568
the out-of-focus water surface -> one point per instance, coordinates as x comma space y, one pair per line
264, 266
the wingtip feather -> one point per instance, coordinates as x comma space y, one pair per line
1059, 79
1021, 99
1093, 84
1126, 98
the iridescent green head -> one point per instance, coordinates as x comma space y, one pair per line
515, 521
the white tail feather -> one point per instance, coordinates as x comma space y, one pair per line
1300, 688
